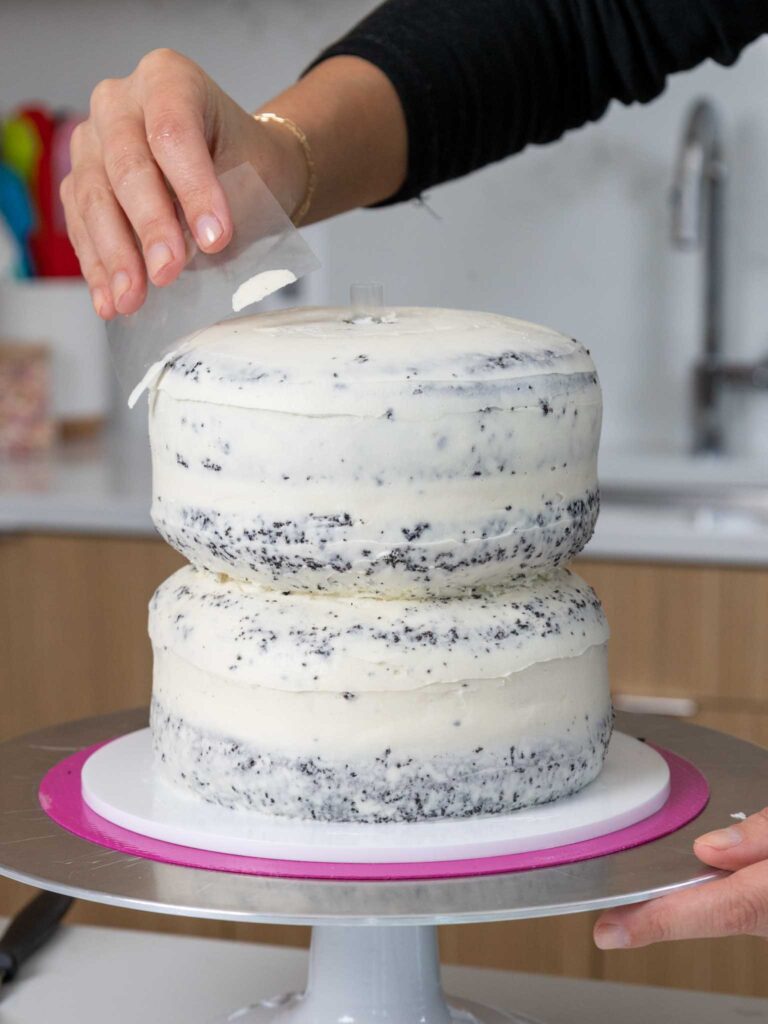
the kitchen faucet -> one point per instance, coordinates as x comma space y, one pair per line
697, 222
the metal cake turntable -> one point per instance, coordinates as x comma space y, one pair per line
374, 949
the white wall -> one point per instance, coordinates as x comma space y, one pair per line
574, 234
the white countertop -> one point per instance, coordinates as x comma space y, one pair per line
97, 486
678, 535
95, 975
104, 487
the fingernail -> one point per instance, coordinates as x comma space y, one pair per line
723, 839
100, 301
121, 284
611, 936
208, 229
158, 256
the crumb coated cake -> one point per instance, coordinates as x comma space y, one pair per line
361, 709
420, 456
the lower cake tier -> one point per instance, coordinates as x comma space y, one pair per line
489, 748
367, 710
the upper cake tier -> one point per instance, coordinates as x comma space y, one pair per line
435, 451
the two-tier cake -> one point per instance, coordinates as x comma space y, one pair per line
377, 624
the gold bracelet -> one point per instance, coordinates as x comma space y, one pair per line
302, 209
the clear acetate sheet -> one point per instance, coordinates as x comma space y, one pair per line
266, 253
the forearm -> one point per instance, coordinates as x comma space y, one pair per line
354, 122
479, 80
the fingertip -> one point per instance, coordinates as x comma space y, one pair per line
166, 277
172, 276
214, 228
210, 233
222, 212
169, 275
160, 262
122, 289
722, 848
720, 860
127, 299
611, 935
707, 853
132, 305
721, 840
226, 238
102, 302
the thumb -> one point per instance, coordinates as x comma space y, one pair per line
736, 846
734, 905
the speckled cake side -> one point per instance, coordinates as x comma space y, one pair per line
382, 788
249, 642
444, 451
320, 553
320, 705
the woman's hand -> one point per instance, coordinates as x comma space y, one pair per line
166, 130
736, 905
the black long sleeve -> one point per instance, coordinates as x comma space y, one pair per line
480, 79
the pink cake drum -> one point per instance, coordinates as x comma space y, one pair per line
61, 798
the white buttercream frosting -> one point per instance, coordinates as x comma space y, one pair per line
319, 361
442, 450
377, 625
258, 637
379, 709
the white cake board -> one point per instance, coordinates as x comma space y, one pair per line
120, 782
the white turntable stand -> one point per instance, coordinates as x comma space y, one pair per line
374, 949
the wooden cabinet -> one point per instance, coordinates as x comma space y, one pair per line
73, 642
685, 630
73, 625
